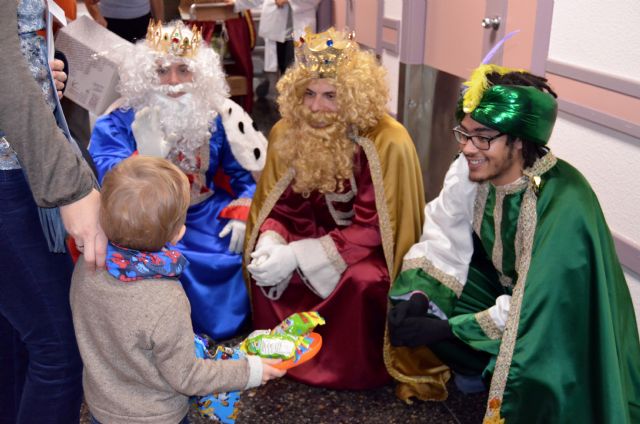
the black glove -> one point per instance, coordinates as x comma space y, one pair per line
420, 331
416, 306
409, 325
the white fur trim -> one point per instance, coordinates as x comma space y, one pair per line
248, 145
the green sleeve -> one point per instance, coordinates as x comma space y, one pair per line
418, 280
478, 331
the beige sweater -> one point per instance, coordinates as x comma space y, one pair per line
136, 342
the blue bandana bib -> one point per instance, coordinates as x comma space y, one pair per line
133, 265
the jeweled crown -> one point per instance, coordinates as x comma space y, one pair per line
174, 38
322, 53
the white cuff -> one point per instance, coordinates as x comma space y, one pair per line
255, 371
320, 264
500, 311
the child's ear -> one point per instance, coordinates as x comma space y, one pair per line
179, 235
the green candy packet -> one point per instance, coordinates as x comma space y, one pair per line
283, 340
299, 323
279, 346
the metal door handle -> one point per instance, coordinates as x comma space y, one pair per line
491, 23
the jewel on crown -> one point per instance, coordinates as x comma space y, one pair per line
322, 53
174, 38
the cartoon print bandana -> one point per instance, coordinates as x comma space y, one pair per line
132, 265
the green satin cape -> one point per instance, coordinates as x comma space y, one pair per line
570, 350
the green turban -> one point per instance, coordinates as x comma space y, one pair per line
520, 111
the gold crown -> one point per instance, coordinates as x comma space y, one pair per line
322, 53
174, 38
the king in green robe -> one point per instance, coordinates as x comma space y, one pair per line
527, 277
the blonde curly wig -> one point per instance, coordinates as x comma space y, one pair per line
323, 158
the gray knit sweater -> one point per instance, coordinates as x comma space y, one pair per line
136, 342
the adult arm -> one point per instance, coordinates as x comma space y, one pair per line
438, 264
94, 11
174, 353
57, 175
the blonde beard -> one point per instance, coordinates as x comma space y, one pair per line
322, 158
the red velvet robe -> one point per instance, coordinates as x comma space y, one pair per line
351, 356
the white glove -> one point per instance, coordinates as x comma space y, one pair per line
148, 133
237, 230
272, 264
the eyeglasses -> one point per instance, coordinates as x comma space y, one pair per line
480, 141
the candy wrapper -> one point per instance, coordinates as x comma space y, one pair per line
292, 340
299, 324
219, 407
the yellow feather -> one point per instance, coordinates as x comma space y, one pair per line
478, 84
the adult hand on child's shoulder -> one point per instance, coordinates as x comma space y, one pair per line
80, 219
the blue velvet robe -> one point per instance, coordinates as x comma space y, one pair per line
213, 280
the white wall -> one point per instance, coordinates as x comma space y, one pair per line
604, 36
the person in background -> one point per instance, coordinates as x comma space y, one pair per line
515, 281
127, 18
39, 171
338, 204
280, 22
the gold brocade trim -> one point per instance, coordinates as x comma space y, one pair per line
274, 235
427, 266
525, 233
496, 255
332, 253
527, 221
381, 201
241, 201
479, 205
487, 325
541, 166
269, 202
514, 187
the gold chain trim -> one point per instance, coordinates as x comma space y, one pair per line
330, 249
269, 203
487, 325
381, 202
427, 266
